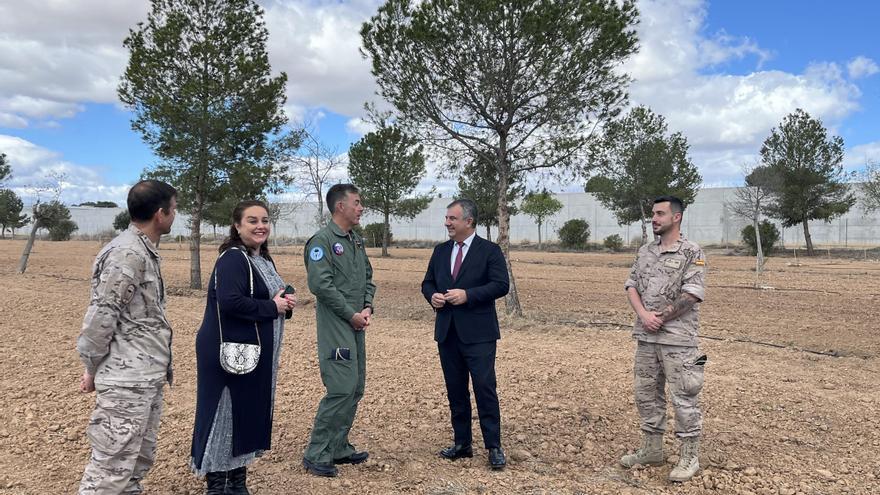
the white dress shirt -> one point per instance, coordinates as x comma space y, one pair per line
464, 250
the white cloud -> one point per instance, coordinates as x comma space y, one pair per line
359, 126
33, 168
55, 56
861, 66
725, 117
317, 45
858, 156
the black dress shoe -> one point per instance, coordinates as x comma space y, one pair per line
457, 452
497, 461
356, 458
320, 469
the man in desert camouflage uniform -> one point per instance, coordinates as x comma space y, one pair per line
125, 346
665, 287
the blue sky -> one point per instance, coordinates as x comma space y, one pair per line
722, 72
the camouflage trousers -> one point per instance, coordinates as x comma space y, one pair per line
659, 364
123, 431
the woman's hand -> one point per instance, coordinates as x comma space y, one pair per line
291, 298
283, 302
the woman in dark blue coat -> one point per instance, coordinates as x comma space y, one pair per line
233, 423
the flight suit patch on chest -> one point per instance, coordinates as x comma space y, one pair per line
338, 249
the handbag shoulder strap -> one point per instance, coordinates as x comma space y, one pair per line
217, 282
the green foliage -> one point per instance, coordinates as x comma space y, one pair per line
520, 84
122, 220
219, 213
387, 165
5, 168
870, 187
201, 88
62, 230
810, 183
637, 160
479, 183
539, 206
99, 204
769, 237
613, 242
55, 217
10, 211
574, 234
373, 233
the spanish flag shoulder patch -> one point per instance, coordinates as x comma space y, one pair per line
700, 262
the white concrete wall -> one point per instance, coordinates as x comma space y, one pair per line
707, 221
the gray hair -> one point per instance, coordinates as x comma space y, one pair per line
468, 209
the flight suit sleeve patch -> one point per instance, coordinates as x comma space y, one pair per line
316, 253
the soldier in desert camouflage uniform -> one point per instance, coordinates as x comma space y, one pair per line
125, 346
665, 287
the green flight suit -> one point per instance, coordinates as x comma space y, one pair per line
341, 278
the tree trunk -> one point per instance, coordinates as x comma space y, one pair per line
488, 233
195, 244
759, 266
386, 227
539, 237
22, 262
512, 299
644, 224
807, 238
320, 208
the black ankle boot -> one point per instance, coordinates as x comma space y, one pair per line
216, 483
237, 484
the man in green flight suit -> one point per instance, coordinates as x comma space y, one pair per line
341, 278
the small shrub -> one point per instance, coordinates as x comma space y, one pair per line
769, 237
61, 230
122, 220
574, 234
372, 234
613, 242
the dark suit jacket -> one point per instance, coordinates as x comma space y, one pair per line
483, 275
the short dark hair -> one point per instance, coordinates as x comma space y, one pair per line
337, 193
468, 209
147, 197
675, 204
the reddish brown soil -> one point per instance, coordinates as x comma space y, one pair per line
777, 420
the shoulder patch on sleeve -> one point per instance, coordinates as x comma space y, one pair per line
700, 262
316, 253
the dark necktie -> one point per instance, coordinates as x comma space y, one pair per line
458, 257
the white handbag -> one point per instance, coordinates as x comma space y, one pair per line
235, 357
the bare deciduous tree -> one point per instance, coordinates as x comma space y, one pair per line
279, 211
312, 168
52, 188
749, 203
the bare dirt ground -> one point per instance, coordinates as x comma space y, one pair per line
777, 419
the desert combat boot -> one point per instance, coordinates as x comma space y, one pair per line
688, 460
649, 454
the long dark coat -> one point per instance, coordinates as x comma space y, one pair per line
251, 393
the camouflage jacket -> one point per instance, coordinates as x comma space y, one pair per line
126, 338
660, 278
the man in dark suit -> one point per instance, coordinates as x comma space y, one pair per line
465, 276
